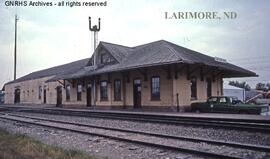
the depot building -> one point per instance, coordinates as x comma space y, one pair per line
157, 75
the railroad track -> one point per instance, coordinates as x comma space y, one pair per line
237, 124
139, 137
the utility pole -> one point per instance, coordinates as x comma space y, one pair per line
15, 47
94, 29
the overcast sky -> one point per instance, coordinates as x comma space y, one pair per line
50, 36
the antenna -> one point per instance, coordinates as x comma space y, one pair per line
15, 46
95, 29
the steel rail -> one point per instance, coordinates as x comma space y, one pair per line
151, 144
257, 127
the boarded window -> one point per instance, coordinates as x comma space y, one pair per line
117, 90
79, 92
103, 90
155, 88
68, 92
193, 87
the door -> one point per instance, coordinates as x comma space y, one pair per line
44, 96
137, 93
88, 96
211, 102
222, 105
58, 96
17, 95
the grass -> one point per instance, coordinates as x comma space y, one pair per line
16, 146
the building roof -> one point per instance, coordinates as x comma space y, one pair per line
152, 54
53, 71
156, 53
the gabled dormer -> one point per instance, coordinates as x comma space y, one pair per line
101, 57
104, 57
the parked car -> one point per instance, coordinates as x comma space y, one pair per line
227, 104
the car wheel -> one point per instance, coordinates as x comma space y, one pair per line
197, 111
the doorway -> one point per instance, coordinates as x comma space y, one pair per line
44, 96
89, 95
17, 95
59, 96
137, 93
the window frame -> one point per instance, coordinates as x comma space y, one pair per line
102, 97
68, 92
117, 95
79, 92
39, 92
193, 89
223, 100
105, 58
153, 96
208, 89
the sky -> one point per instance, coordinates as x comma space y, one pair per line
51, 36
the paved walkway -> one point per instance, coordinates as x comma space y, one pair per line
138, 111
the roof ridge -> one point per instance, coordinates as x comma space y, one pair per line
171, 48
103, 42
53, 67
148, 43
20, 79
190, 49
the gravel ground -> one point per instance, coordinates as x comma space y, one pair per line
189, 131
96, 146
171, 142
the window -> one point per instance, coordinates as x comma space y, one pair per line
105, 58
223, 100
103, 90
68, 92
213, 100
155, 88
117, 90
39, 92
79, 92
221, 87
208, 87
193, 87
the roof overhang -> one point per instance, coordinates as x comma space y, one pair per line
224, 72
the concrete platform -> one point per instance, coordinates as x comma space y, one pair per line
138, 111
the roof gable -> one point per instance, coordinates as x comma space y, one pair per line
119, 52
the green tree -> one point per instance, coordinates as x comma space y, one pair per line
238, 84
261, 86
268, 86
